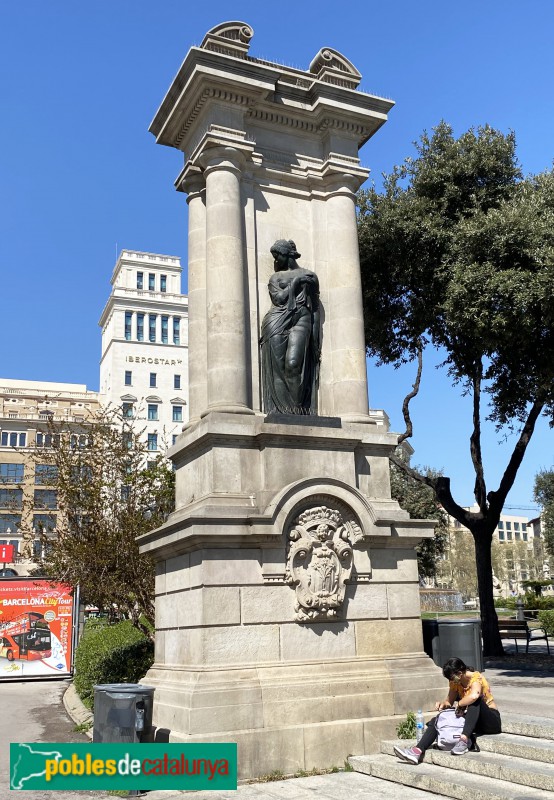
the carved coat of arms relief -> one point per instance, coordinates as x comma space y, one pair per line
319, 561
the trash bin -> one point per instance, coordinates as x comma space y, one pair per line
461, 638
431, 639
122, 712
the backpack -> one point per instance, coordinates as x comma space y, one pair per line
449, 728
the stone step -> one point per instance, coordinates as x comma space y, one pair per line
436, 778
536, 774
510, 744
522, 725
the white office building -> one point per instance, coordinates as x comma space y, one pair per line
144, 364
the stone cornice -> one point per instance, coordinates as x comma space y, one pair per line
267, 92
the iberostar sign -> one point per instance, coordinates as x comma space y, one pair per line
123, 766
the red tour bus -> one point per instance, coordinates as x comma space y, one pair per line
26, 637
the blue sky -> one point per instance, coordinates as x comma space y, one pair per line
81, 177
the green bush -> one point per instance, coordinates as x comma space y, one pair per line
505, 602
530, 601
546, 619
541, 603
110, 654
407, 728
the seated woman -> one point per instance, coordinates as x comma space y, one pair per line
469, 693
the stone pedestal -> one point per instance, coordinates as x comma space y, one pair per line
287, 605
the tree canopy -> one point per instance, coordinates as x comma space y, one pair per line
544, 495
108, 494
457, 254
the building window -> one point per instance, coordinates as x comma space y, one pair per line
13, 439
163, 283
518, 535
9, 523
128, 410
140, 280
45, 474
165, 321
11, 473
516, 526
152, 411
509, 536
127, 439
128, 318
508, 526
11, 498
176, 381
47, 440
44, 522
524, 536
151, 327
78, 441
177, 413
152, 380
140, 327
46, 498
151, 281
500, 526
174, 438
152, 441
176, 330
128, 377
501, 536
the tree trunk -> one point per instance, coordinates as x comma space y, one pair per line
492, 643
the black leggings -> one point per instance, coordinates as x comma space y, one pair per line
479, 720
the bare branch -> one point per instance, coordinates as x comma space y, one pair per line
406, 404
480, 489
498, 498
441, 487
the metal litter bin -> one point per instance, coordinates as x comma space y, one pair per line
122, 712
431, 639
461, 638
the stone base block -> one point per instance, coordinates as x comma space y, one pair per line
297, 716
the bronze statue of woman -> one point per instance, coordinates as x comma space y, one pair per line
290, 339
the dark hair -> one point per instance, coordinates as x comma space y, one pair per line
453, 666
286, 247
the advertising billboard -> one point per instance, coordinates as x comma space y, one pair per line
37, 628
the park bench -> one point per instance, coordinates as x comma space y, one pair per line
519, 629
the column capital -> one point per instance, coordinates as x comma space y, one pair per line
191, 181
222, 157
343, 178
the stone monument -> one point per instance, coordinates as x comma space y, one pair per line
287, 605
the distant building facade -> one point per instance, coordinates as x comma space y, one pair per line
144, 362
28, 500
518, 555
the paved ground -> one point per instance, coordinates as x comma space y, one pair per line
33, 712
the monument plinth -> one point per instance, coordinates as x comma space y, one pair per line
287, 592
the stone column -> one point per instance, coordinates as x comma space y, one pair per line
228, 379
198, 333
346, 321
